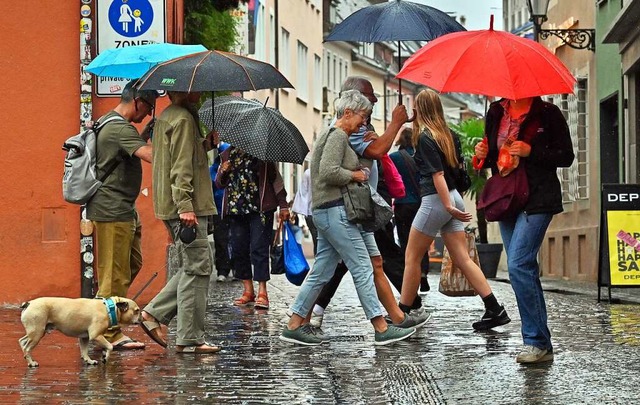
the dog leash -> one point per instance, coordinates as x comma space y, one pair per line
144, 287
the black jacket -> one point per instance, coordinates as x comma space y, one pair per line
546, 130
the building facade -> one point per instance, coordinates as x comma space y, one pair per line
570, 247
40, 232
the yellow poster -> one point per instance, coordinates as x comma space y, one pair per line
623, 231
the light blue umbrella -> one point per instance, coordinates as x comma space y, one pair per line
133, 62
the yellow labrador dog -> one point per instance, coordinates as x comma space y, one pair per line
85, 318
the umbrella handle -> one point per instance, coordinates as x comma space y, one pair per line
412, 118
479, 163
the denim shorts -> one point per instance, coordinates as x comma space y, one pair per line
432, 217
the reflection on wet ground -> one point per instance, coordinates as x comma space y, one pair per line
596, 357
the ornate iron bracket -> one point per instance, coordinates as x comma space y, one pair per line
575, 38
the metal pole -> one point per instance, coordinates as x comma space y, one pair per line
277, 48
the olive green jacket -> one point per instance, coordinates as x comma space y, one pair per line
181, 180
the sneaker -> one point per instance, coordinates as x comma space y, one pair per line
532, 354
392, 334
492, 319
303, 335
319, 333
414, 319
316, 319
221, 279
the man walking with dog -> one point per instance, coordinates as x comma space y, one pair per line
183, 199
112, 209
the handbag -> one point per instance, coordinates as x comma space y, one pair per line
382, 213
276, 254
392, 178
357, 202
296, 266
503, 198
452, 282
461, 177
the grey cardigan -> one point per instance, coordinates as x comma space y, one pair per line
332, 162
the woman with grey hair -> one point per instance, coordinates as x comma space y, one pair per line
334, 164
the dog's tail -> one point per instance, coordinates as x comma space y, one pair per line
24, 305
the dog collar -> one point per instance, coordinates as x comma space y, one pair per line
111, 311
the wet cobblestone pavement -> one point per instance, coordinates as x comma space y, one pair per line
597, 352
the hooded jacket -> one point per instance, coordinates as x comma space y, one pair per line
545, 130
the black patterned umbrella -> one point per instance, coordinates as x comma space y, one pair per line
259, 130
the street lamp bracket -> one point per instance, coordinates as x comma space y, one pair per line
575, 38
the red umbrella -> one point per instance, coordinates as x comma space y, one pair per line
488, 62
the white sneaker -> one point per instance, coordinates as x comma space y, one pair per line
532, 354
316, 319
221, 279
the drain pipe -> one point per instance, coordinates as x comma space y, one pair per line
87, 257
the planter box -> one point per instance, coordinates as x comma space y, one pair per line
489, 255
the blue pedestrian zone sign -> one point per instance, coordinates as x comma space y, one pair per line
122, 23
130, 18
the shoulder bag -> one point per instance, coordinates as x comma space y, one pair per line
504, 197
357, 202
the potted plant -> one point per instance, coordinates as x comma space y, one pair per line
470, 132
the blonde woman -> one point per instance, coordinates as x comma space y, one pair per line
441, 210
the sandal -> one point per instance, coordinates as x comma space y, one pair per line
204, 348
126, 343
152, 328
263, 301
244, 300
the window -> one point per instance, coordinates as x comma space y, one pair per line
327, 69
260, 46
272, 39
575, 179
285, 62
302, 72
366, 49
317, 82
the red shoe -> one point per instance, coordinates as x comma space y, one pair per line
244, 300
262, 302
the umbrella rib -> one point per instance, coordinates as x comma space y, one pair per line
242, 67
195, 69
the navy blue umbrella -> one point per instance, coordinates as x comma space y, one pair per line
395, 21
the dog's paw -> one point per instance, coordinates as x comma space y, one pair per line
90, 362
33, 363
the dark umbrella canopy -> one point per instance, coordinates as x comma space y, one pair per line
213, 71
394, 21
258, 130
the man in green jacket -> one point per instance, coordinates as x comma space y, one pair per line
182, 197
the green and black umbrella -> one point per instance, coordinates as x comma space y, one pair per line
213, 71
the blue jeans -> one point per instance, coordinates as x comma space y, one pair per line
338, 239
522, 239
249, 242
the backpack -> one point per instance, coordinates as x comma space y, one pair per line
80, 182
